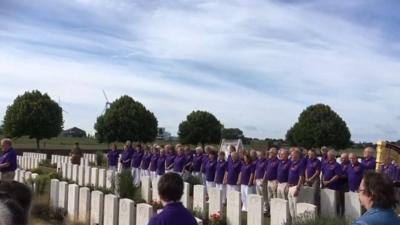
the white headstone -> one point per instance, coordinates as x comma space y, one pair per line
154, 189
328, 202
143, 214
233, 208
255, 213
145, 188
63, 195
102, 178
94, 174
352, 206
54, 184
75, 173
64, 170
279, 211
306, 211
199, 221
28, 176
84, 205
69, 171
111, 210
96, 208
199, 198
73, 202
16, 177
126, 212
87, 180
110, 179
81, 175
306, 195
21, 176
215, 201
185, 197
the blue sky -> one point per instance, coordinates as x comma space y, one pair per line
255, 64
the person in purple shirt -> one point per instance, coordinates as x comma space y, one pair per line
170, 190
204, 163
369, 161
324, 155
170, 157
144, 166
388, 168
283, 173
344, 164
210, 168
153, 162
179, 161
246, 177
161, 163
197, 160
220, 173
187, 170
271, 173
231, 149
295, 179
126, 157
313, 170
8, 160
355, 173
112, 157
259, 181
232, 173
331, 174
136, 161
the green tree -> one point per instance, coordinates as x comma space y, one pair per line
232, 133
33, 114
126, 119
200, 127
319, 125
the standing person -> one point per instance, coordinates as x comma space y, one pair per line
153, 162
295, 180
210, 168
136, 161
161, 163
179, 161
170, 189
355, 173
369, 160
197, 161
112, 157
187, 170
344, 164
144, 165
376, 195
388, 168
283, 173
204, 164
231, 150
126, 157
76, 154
232, 173
8, 160
271, 173
313, 169
261, 165
246, 177
331, 178
220, 174
170, 157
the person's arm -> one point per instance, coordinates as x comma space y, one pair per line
298, 186
4, 165
239, 178
251, 180
316, 174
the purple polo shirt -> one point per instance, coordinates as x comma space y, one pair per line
161, 165
272, 169
229, 160
197, 160
169, 159
355, 174
295, 172
397, 174
260, 168
233, 172
369, 163
343, 178
173, 213
283, 171
304, 160
112, 158
179, 163
331, 169
126, 156
9, 157
146, 161
153, 162
220, 171
312, 166
245, 173
204, 161
137, 158
389, 170
188, 160
210, 170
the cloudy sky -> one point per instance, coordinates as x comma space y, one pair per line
255, 64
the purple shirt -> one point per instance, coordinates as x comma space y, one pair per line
204, 161
245, 173
331, 169
272, 169
188, 160
210, 170
169, 160
260, 168
197, 160
153, 162
220, 171
389, 170
179, 163
146, 161
161, 165
229, 160
355, 174
369, 163
173, 213
295, 172
126, 158
233, 172
283, 171
112, 158
312, 166
9, 157
137, 158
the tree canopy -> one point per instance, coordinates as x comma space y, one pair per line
318, 125
200, 127
232, 133
33, 114
126, 119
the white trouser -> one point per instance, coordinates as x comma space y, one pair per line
271, 191
203, 178
113, 168
197, 174
292, 201
222, 187
209, 184
136, 176
260, 188
233, 187
245, 190
282, 190
153, 174
144, 172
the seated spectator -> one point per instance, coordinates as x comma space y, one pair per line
376, 195
170, 190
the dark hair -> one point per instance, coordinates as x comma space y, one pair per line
170, 187
380, 188
17, 197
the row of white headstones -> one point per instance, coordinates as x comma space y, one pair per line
97, 208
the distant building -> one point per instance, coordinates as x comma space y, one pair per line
162, 134
73, 132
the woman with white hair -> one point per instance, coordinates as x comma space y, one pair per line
8, 160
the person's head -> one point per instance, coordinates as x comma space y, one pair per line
15, 203
179, 149
283, 153
273, 152
353, 158
253, 154
170, 187
199, 150
212, 154
376, 190
6, 143
231, 148
234, 156
156, 150
261, 154
187, 150
247, 157
114, 147
304, 152
128, 144
311, 153
208, 148
331, 154
221, 155
295, 153
162, 151
344, 158
324, 150
368, 152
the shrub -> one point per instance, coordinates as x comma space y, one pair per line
47, 163
37, 170
42, 210
126, 188
99, 158
40, 182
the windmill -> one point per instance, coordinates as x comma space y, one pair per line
108, 103
59, 103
